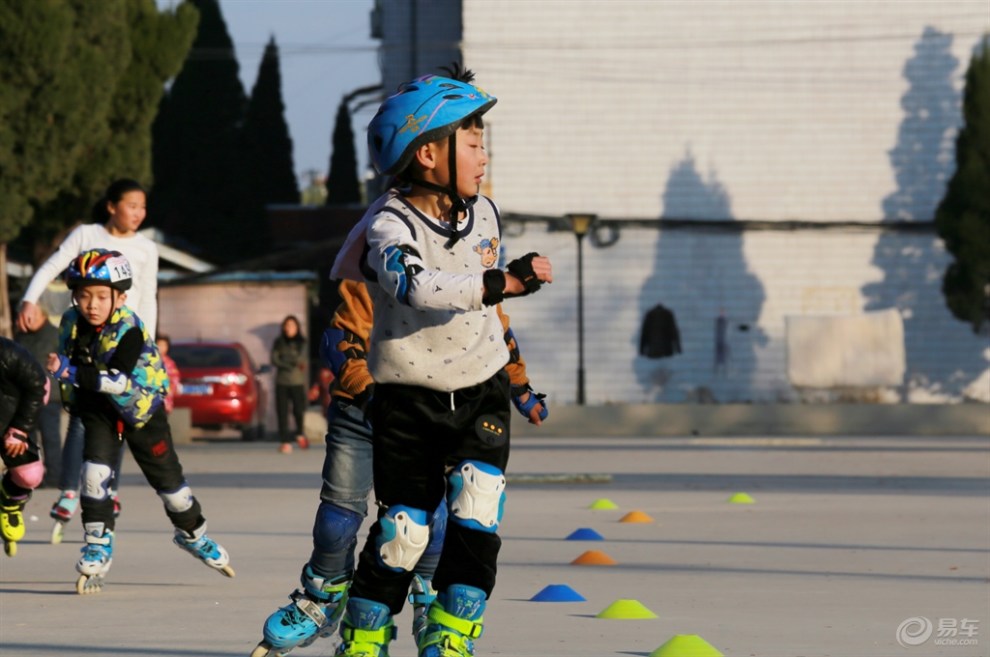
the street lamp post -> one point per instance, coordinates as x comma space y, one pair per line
580, 224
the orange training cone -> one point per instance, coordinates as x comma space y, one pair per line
636, 516
594, 558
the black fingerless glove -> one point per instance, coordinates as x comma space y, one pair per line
522, 268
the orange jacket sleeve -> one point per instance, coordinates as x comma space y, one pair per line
353, 316
516, 367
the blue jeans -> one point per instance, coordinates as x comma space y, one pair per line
72, 457
48, 436
347, 482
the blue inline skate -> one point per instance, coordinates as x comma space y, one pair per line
314, 613
97, 555
421, 596
62, 512
366, 629
201, 546
454, 621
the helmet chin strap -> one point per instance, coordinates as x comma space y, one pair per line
457, 203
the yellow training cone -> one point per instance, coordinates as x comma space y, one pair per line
686, 645
626, 609
603, 504
594, 558
636, 516
741, 498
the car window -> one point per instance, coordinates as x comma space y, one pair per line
190, 355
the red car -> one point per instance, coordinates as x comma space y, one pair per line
220, 386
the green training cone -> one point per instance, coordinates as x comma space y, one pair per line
686, 645
741, 498
603, 504
626, 609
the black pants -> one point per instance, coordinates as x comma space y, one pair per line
284, 395
152, 449
418, 438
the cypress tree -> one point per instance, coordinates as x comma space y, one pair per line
963, 216
342, 181
195, 157
266, 135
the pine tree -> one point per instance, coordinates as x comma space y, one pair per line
963, 217
343, 186
195, 157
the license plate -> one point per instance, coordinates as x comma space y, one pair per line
197, 389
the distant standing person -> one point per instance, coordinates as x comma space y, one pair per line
117, 215
164, 344
289, 357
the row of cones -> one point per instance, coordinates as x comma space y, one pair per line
605, 504
680, 645
599, 558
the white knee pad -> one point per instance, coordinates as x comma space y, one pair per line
404, 537
477, 496
178, 500
96, 480
28, 475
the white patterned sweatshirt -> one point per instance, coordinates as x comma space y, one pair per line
430, 326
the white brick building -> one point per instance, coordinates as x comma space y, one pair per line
805, 125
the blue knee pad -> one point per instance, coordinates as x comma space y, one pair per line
336, 528
405, 533
477, 496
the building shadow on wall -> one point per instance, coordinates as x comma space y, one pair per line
913, 262
700, 275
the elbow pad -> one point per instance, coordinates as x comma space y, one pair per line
113, 382
401, 264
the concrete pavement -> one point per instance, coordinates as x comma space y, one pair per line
848, 539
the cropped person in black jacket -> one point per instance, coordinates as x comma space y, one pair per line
24, 390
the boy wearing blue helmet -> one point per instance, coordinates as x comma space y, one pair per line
112, 376
440, 413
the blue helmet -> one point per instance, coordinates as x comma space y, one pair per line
99, 267
425, 110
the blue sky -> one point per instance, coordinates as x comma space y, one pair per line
326, 52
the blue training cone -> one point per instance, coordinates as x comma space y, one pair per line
585, 534
557, 593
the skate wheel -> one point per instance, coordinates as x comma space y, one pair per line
10, 548
88, 584
262, 650
58, 531
227, 570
